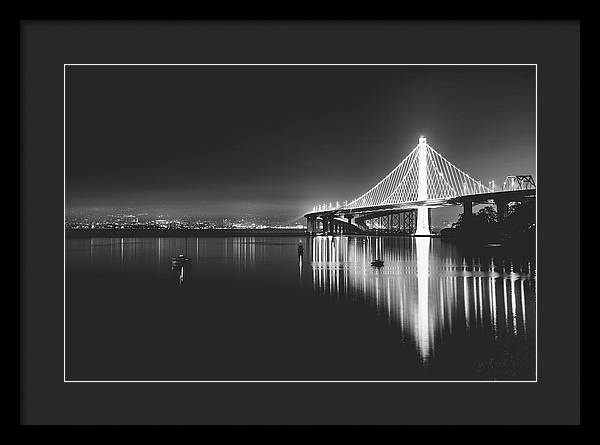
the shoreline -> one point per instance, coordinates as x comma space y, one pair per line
201, 233
177, 233
192, 233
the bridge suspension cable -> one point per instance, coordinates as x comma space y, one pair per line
402, 185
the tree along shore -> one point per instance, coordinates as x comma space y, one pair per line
517, 227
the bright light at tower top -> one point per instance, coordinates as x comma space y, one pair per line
422, 140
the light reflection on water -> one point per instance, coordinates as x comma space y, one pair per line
426, 287
442, 302
240, 251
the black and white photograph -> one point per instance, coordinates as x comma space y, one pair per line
300, 223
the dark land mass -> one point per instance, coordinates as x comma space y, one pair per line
515, 231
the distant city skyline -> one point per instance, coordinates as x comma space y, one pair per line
132, 218
216, 140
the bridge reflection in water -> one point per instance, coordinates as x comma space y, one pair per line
427, 288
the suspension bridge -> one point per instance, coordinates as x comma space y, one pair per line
402, 201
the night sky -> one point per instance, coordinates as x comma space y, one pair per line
276, 140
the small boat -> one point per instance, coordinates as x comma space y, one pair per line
180, 260
377, 263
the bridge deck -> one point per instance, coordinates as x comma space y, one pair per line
480, 198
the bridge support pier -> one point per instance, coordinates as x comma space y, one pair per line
423, 222
311, 225
328, 225
467, 210
336, 226
501, 209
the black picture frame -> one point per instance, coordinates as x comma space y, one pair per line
47, 45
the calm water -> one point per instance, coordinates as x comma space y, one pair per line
249, 308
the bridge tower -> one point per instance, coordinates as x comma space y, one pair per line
422, 212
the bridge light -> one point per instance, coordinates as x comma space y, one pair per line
422, 140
